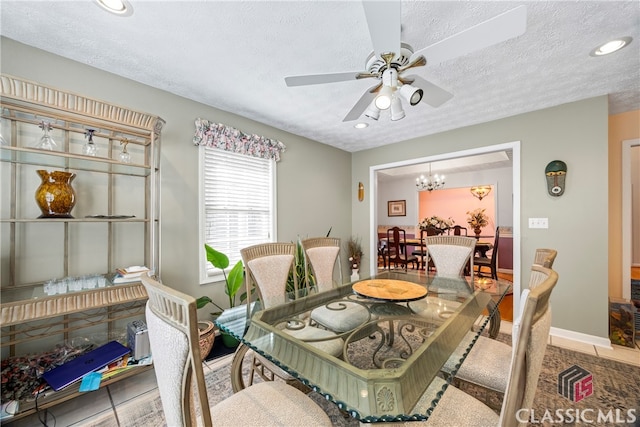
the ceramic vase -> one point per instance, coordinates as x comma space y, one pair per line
55, 195
477, 230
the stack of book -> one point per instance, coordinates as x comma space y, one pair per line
129, 274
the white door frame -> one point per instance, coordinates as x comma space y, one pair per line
626, 216
514, 146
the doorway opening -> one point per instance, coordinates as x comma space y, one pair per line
513, 147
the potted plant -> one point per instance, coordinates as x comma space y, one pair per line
300, 270
233, 284
436, 222
354, 250
477, 220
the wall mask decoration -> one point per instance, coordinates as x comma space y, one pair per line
556, 172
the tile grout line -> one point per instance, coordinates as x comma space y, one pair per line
113, 406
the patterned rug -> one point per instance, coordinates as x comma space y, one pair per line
616, 388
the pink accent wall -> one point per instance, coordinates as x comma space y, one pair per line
455, 203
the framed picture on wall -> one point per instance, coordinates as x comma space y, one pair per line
397, 208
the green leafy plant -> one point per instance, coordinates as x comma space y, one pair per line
233, 282
299, 270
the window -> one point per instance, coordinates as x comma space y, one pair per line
238, 205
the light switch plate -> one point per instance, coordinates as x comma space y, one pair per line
538, 222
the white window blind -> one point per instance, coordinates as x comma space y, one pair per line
238, 203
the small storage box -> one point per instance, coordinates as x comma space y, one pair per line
138, 339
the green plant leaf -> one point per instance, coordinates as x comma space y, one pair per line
217, 259
234, 280
202, 301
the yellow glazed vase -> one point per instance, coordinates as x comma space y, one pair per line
55, 195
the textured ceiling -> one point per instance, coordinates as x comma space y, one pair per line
234, 55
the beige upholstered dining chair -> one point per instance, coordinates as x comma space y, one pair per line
173, 336
486, 363
450, 254
545, 257
457, 408
268, 266
322, 254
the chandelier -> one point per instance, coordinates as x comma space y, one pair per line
430, 182
481, 191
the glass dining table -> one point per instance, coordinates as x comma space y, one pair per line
389, 365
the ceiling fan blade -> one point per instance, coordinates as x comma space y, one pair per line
500, 28
383, 19
316, 79
432, 94
361, 105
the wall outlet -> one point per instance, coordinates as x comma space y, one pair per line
538, 222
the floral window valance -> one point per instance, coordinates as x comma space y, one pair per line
227, 138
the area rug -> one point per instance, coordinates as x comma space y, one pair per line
616, 387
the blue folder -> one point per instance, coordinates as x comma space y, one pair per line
64, 375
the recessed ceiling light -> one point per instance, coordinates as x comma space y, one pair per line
611, 46
118, 7
361, 125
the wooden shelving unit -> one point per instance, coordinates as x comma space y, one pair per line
115, 220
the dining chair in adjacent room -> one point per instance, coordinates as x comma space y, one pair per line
451, 254
545, 257
322, 256
172, 323
487, 362
397, 239
457, 408
382, 252
421, 253
458, 230
491, 261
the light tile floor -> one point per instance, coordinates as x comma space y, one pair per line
83, 410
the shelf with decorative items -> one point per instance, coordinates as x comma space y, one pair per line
79, 182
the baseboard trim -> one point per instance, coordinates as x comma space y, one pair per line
580, 337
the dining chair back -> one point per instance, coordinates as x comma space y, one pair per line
172, 321
383, 251
485, 365
529, 349
321, 256
421, 253
268, 267
458, 230
451, 254
523, 369
545, 257
397, 239
490, 262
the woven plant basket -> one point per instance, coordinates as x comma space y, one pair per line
207, 336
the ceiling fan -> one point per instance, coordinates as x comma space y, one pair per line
391, 58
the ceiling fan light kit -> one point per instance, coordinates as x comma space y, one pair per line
397, 112
391, 57
412, 95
